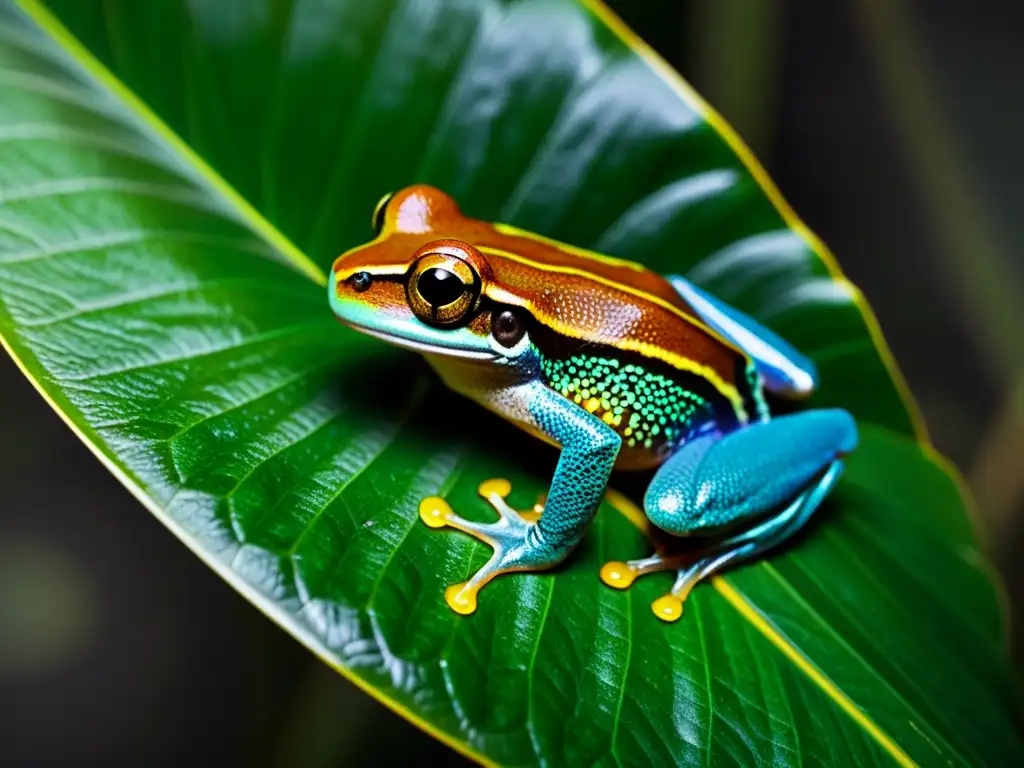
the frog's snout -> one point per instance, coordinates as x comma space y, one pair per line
362, 298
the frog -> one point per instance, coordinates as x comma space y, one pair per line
616, 366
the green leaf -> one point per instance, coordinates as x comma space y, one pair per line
162, 214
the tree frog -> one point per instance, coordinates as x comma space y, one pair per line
618, 366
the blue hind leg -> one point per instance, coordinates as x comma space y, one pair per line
786, 372
745, 492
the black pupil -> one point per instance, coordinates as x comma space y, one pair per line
439, 287
361, 281
508, 323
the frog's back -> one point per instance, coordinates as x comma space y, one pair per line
601, 300
619, 340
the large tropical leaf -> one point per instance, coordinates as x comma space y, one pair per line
159, 159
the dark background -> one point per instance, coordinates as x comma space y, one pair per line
893, 127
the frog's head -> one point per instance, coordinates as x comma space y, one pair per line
420, 284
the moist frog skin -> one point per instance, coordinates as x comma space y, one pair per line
619, 367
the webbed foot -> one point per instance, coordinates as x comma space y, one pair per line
694, 566
690, 570
517, 547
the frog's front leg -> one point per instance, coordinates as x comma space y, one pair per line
745, 492
522, 542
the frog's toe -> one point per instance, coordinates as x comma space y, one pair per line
668, 607
515, 548
496, 490
689, 571
690, 568
437, 513
462, 597
621, 574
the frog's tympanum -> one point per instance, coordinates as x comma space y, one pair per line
616, 365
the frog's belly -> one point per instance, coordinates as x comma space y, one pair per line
631, 458
638, 458
650, 426
512, 410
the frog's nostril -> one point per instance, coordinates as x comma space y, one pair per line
361, 281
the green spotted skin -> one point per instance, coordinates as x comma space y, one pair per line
651, 410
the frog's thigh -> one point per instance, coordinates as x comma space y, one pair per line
725, 551
715, 483
786, 372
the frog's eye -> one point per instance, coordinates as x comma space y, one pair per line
507, 327
442, 289
378, 212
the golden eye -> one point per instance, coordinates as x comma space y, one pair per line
442, 289
378, 212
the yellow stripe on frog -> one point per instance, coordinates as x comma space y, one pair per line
508, 229
639, 293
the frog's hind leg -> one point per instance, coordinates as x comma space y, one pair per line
716, 484
736, 549
786, 371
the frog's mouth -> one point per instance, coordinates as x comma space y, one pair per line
426, 347
382, 311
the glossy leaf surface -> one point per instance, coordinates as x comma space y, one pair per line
169, 318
